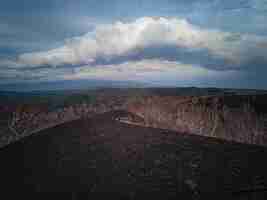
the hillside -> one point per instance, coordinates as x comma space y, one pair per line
101, 158
240, 118
233, 115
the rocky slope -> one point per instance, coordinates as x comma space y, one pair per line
240, 118
101, 158
235, 118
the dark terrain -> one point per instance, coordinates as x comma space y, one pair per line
100, 158
238, 115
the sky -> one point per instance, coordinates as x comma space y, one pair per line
202, 43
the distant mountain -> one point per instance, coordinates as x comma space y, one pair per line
68, 85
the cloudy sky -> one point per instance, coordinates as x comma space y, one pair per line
207, 43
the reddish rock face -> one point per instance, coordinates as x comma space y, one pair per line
229, 117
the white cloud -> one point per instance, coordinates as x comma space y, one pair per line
120, 39
112, 41
146, 70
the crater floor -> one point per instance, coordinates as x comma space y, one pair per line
101, 158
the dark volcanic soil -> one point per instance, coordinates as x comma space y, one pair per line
103, 159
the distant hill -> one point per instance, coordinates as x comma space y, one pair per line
67, 85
